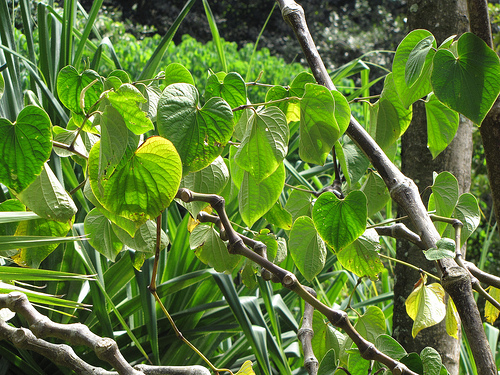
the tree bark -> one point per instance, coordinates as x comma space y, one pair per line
490, 128
443, 19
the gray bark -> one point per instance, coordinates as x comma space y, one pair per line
443, 19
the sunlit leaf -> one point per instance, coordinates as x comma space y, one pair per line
26, 146
70, 85
468, 82
490, 311
425, 305
144, 185
177, 73
340, 221
452, 319
246, 369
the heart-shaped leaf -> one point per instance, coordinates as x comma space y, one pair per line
177, 73
26, 146
265, 143
468, 82
340, 221
143, 185
232, 89
70, 85
425, 305
444, 197
325, 336
198, 134
318, 127
306, 247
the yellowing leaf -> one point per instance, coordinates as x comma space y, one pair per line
425, 305
452, 319
490, 311
246, 369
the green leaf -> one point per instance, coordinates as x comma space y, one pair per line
11, 212
306, 247
26, 146
371, 324
442, 125
490, 311
425, 305
125, 100
33, 256
389, 346
468, 82
291, 108
328, 364
357, 364
353, 161
340, 221
417, 59
279, 216
232, 89
452, 319
211, 250
265, 143
70, 85
101, 235
2, 86
142, 186
47, 198
299, 203
319, 129
324, 338
144, 239
413, 362
444, 197
210, 180
255, 199
431, 361
177, 73
467, 211
342, 111
376, 193
246, 369
445, 248
198, 134
389, 117
268, 239
412, 66
361, 256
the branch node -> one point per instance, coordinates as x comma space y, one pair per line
289, 280
184, 195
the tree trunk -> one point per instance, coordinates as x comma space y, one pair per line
443, 18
